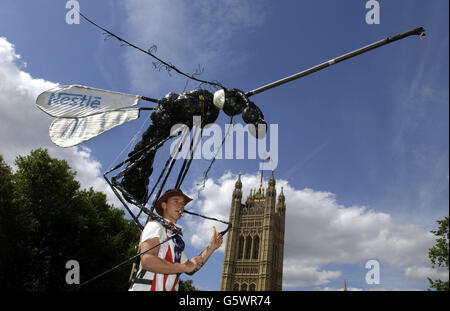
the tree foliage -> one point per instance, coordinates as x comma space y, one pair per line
439, 253
47, 220
187, 286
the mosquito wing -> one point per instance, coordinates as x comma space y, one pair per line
74, 101
68, 132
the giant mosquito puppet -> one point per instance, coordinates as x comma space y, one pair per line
82, 113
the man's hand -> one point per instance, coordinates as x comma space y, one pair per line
193, 265
216, 240
197, 260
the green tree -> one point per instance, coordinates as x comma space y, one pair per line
17, 228
439, 253
47, 220
186, 286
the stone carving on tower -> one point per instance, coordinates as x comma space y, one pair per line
254, 249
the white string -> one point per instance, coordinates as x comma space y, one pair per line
130, 144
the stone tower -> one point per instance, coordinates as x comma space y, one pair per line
254, 250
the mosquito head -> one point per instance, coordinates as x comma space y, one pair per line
234, 102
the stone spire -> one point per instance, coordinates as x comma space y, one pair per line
281, 197
237, 193
272, 180
281, 205
238, 184
249, 201
259, 194
271, 192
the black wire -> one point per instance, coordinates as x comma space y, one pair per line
214, 159
167, 65
211, 218
172, 162
120, 264
183, 167
186, 164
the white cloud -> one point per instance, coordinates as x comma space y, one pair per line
321, 232
421, 273
295, 274
24, 127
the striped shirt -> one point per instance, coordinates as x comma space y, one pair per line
150, 281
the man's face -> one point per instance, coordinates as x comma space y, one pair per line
173, 208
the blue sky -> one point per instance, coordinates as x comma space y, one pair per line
365, 140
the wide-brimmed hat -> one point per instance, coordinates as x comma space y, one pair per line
168, 194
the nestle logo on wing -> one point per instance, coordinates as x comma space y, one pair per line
71, 99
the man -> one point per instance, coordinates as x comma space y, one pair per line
160, 267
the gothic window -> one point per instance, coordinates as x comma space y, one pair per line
241, 247
252, 287
236, 287
244, 287
255, 247
248, 247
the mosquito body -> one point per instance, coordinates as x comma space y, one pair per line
176, 109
